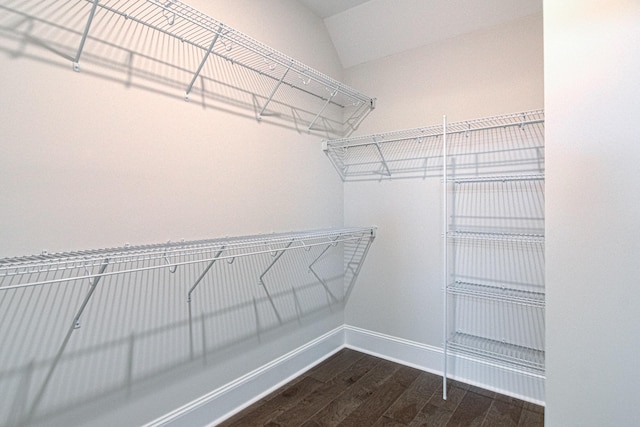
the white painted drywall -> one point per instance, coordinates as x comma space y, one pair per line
592, 100
89, 162
92, 160
489, 72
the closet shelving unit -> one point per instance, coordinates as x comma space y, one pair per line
277, 84
494, 243
493, 219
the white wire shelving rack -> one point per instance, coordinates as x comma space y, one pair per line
92, 265
75, 290
277, 84
417, 153
494, 243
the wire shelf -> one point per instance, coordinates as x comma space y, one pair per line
498, 178
498, 237
174, 43
169, 255
416, 153
496, 293
516, 356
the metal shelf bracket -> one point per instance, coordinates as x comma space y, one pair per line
204, 273
204, 60
85, 33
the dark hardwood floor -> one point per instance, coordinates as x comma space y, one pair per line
355, 389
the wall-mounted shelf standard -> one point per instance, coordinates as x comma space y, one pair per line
515, 141
172, 42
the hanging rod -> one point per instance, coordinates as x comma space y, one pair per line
183, 253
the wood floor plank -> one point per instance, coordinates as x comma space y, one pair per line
409, 404
337, 363
503, 414
313, 403
355, 389
381, 398
432, 416
471, 410
271, 408
340, 408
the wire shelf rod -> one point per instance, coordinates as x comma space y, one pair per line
495, 293
498, 178
508, 237
173, 248
297, 243
436, 131
498, 351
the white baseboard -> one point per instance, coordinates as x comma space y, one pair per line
511, 382
225, 401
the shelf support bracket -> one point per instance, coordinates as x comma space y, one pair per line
76, 59
204, 273
75, 324
382, 159
359, 264
261, 281
204, 60
334, 93
273, 92
282, 251
322, 282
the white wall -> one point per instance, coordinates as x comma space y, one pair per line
480, 74
592, 64
489, 72
96, 159
90, 161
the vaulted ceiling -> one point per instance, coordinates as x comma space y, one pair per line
365, 30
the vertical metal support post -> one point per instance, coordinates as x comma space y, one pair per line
273, 92
76, 60
334, 93
204, 59
204, 273
445, 276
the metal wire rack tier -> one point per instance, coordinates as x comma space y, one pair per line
20, 272
516, 356
498, 237
416, 153
171, 41
497, 293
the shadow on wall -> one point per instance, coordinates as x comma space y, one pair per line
70, 342
170, 49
